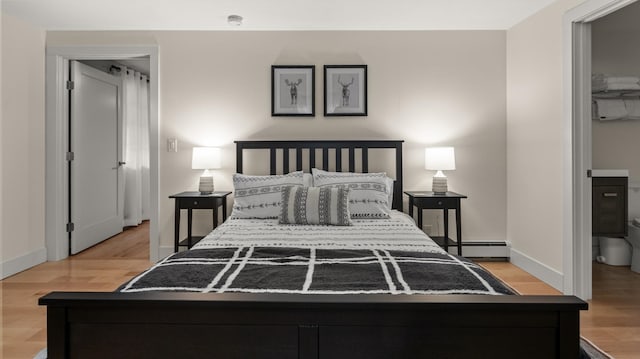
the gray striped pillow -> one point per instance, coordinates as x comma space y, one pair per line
314, 205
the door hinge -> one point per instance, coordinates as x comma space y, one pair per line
70, 227
588, 173
70, 156
70, 85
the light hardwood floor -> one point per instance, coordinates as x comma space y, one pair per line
613, 319
101, 268
612, 322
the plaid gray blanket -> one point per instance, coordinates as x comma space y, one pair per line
316, 271
372, 256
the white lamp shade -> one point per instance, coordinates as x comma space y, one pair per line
439, 158
205, 158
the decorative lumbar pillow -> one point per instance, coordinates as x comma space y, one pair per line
369, 193
259, 196
314, 205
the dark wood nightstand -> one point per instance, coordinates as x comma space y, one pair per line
195, 200
445, 201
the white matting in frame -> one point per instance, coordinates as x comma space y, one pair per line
293, 90
345, 90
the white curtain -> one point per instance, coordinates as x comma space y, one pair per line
135, 119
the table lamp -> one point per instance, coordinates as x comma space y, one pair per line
205, 158
439, 159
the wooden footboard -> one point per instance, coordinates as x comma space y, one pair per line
195, 325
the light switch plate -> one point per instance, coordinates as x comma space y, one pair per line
172, 145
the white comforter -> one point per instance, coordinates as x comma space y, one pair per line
398, 232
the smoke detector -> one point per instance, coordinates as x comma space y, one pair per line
235, 20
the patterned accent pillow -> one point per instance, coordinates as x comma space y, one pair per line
314, 205
369, 192
259, 196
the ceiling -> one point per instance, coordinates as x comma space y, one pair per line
274, 14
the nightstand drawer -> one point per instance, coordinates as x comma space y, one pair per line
196, 203
437, 203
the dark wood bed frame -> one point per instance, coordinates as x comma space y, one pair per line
198, 325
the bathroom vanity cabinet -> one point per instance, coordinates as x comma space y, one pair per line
610, 206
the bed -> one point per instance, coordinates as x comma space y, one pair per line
236, 315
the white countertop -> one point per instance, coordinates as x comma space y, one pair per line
609, 173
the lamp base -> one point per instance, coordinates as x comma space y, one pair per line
206, 185
439, 185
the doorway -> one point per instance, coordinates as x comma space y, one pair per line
57, 129
109, 140
577, 243
95, 156
615, 146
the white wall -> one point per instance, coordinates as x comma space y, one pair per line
616, 143
428, 88
535, 142
1, 169
23, 164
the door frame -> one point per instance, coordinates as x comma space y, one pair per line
577, 134
57, 137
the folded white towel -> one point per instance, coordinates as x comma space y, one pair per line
633, 108
611, 109
601, 82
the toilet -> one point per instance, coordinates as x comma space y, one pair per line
622, 251
634, 240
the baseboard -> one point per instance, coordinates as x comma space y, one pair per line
19, 264
537, 269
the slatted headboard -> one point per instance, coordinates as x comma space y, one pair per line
280, 152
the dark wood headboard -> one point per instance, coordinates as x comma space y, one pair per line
284, 148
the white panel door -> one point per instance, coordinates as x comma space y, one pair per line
96, 180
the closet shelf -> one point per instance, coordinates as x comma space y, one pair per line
616, 94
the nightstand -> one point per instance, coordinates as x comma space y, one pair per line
445, 201
195, 200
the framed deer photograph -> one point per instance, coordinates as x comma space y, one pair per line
345, 90
293, 90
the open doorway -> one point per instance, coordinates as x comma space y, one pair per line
615, 66
577, 245
109, 144
57, 134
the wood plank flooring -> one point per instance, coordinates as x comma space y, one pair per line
613, 319
100, 268
612, 322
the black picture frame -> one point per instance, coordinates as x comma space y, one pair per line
345, 90
293, 90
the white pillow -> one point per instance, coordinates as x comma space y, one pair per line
390, 189
259, 196
307, 180
369, 195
